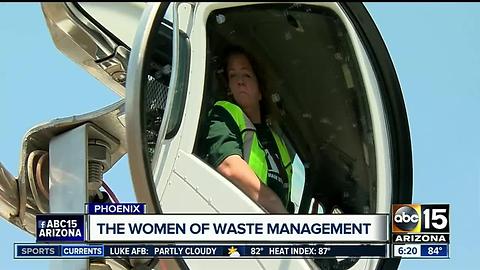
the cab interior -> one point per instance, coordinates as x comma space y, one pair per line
315, 95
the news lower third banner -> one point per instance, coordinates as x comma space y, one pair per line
65, 251
417, 231
237, 228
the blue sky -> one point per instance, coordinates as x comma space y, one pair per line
435, 49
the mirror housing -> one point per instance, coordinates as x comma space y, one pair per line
89, 44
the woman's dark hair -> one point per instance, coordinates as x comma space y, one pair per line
237, 50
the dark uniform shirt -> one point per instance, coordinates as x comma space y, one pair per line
224, 139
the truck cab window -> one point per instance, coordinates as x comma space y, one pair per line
315, 97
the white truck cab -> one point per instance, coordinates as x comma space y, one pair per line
330, 86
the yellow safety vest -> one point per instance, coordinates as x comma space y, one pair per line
253, 154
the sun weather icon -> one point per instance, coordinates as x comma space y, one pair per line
233, 252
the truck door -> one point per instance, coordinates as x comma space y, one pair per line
331, 90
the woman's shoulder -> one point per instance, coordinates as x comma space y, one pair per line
222, 111
228, 105
225, 107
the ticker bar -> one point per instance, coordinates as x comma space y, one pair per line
200, 251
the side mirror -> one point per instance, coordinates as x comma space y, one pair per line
96, 36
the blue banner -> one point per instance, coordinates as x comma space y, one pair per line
200, 251
434, 251
82, 251
60, 228
116, 208
37, 251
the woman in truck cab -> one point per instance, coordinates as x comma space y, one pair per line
240, 145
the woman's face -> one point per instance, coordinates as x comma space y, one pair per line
242, 81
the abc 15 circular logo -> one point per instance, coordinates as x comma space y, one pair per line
417, 218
